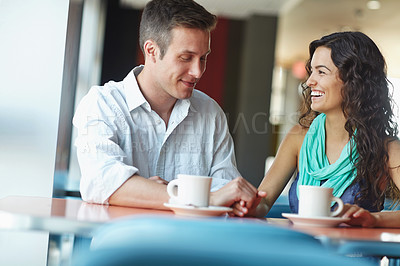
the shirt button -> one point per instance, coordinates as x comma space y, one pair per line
158, 122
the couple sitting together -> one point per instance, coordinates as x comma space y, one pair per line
136, 135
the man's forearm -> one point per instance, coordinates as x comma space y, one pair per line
140, 192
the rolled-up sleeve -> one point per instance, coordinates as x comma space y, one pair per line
102, 161
223, 168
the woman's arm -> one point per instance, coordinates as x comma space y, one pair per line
394, 161
362, 217
281, 170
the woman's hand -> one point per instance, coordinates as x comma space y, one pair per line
358, 216
239, 194
240, 209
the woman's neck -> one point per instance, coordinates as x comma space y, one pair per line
334, 127
336, 137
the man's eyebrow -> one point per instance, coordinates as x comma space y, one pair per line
191, 52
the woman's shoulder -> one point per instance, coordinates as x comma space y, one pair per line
295, 136
298, 131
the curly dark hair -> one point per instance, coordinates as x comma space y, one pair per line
367, 106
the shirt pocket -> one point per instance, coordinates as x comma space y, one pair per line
192, 164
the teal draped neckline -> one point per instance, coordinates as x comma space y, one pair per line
314, 165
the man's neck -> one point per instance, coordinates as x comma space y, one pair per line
161, 102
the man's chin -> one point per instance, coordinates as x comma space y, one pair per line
188, 93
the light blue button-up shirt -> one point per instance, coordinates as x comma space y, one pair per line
119, 135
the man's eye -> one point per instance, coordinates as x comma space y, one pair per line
185, 58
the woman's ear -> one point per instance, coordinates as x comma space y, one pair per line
151, 50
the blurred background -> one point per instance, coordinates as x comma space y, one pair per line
52, 52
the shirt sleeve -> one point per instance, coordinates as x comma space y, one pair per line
223, 168
101, 159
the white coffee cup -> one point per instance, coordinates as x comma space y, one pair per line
315, 201
191, 190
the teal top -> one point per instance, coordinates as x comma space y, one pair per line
314, 166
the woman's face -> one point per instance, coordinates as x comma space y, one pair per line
325, 83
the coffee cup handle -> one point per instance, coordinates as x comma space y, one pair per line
339, 208
171, 190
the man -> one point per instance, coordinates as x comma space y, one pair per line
136, 135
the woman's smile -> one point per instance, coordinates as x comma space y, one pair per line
315, 94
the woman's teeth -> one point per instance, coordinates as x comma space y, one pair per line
317, 93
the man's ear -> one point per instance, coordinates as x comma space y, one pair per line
151, 50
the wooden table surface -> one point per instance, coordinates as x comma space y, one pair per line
77, 216
61, 215
344, 232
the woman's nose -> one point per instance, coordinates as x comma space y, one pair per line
311, 81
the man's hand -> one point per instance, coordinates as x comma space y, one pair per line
238, 191
159, 180
239, 208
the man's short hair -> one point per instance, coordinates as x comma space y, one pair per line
161, 16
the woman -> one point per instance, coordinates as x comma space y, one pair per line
346, 137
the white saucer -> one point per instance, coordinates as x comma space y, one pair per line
197, 211
314, 221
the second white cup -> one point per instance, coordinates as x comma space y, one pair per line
315, 201
190, 190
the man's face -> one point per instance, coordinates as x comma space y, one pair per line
183, 64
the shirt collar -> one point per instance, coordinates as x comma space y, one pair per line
135, 98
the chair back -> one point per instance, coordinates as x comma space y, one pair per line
169, 240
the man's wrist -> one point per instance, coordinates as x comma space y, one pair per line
212, 201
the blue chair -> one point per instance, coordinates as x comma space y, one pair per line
373, 250
166, 240
280, 206
387, 206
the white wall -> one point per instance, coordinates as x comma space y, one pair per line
89, 70
396, 99
32, 54
32, 40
